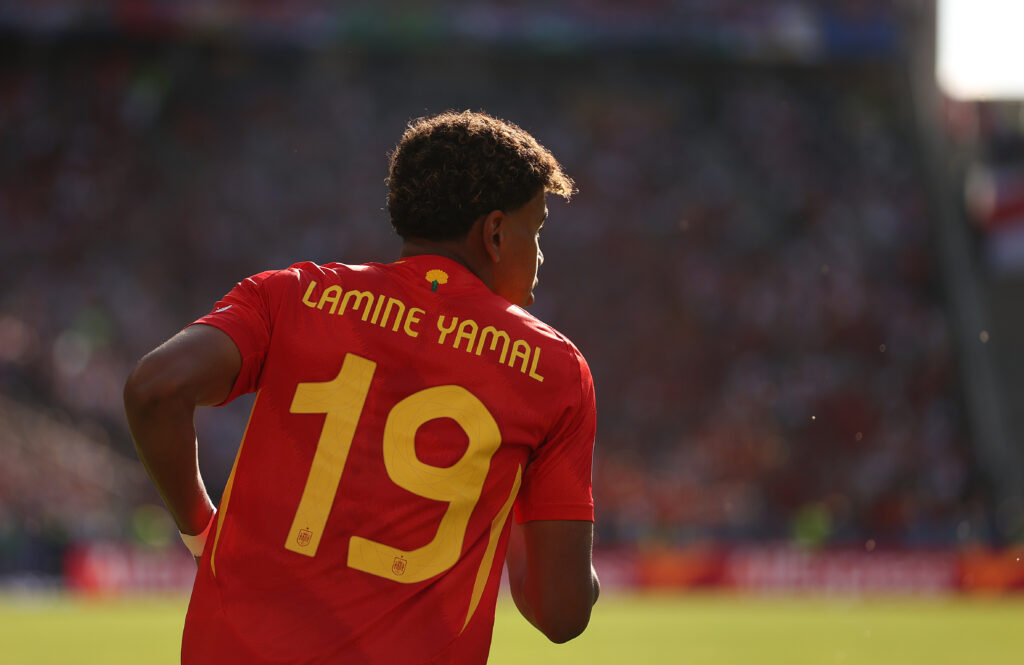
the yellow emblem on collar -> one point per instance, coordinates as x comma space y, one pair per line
436, 277
439, 276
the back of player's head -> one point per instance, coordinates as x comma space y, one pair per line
448, 170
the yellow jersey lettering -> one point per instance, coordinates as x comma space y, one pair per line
533, 365
445, 331
376, 310
520, 350
359, 297
330, 295
495, 336
412, 318
309, 291
389, 312
393, 302
467, 331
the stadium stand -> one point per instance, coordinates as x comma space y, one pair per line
748, 264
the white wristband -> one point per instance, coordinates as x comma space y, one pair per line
196, 543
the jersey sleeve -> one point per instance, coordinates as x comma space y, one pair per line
557, 481
244, 314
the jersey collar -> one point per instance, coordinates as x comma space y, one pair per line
441, 273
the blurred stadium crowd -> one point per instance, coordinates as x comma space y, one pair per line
747, 268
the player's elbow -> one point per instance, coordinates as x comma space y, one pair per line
565, 616
562, 635
564, 627
137, 391
140, 391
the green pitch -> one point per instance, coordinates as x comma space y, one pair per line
650, 629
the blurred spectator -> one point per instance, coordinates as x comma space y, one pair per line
746, 267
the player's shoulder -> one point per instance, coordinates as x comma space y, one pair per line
555, 337
305, 271
311, 269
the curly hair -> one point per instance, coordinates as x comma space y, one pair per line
449, 170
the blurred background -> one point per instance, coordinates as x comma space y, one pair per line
795, 263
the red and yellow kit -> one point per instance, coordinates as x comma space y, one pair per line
402, 411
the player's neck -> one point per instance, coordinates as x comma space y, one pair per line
450, 250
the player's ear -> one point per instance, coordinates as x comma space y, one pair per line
492, 232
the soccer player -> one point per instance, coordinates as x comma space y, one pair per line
403, 412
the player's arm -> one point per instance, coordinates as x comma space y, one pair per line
551, 575
196, 367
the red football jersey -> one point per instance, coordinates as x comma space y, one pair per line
402, 410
